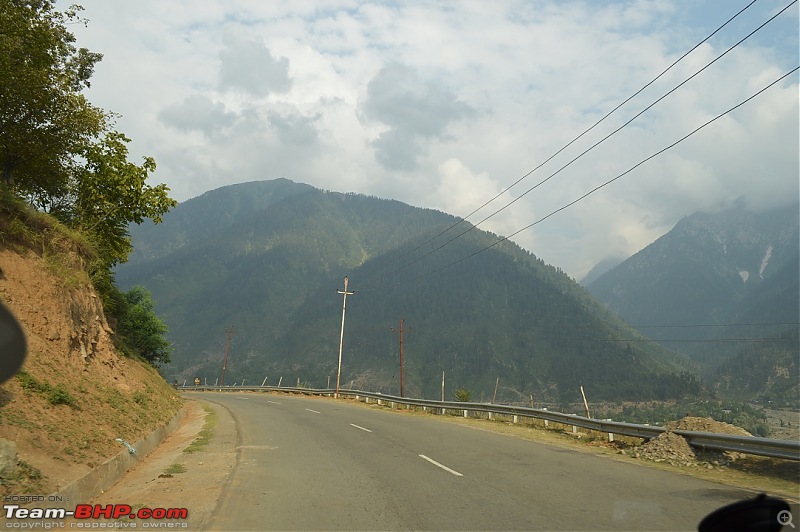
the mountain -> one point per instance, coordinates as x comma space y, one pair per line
767, 371
268, 258
599, 269
713, 283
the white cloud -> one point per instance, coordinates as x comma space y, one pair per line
198, 112
248, 65
442, 105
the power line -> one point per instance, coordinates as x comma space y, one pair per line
713, 325
672, 340
597, 143
570, 143
595, 189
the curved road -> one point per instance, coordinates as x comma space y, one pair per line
317, 464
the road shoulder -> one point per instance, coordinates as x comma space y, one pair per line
169, 477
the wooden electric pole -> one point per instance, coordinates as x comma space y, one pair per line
402, 368
227, 350
345, 293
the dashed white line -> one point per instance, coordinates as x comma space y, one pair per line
313, 411
362, 428
274, 402
437, 464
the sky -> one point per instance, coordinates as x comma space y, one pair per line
444, 104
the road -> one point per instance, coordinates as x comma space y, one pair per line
318, 464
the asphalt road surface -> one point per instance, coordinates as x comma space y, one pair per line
315, 464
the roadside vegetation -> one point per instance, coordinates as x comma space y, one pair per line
206, 433
68, 190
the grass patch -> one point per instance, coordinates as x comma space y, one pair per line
60, 396
174, 469
140, 398
59, 265
55, 395
206, 433
23, 228
23, 480
114, 399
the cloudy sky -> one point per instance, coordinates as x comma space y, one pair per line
445, 104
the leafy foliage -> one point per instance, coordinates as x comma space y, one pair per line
462, 395
61, 154
44, 120
56, 149
143, 331
110, 193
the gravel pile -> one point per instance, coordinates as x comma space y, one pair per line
673, 449
667, 447
705, 424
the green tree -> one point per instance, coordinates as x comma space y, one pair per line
108, 193
44, 120
141, 330
59, 151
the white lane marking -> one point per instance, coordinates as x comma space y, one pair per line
437, 464
274, 402
362, 428
313, 411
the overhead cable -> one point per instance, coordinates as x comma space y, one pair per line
606, 183
570, 143
600, 141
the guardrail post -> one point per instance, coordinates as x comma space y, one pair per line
443, 411
610, 437
574, 429
490, 416
391, 405
546, 423
465, 413
516, 419
424, 408
379, 402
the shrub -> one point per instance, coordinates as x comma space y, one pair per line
462, 395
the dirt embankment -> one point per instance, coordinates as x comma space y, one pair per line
75, 395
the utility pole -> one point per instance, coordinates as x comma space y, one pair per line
585, 404
402, 367
344, 293
227, 350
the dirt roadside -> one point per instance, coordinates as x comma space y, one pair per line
170, 477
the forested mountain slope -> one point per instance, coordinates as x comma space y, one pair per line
725, 290
730, 275
267, 257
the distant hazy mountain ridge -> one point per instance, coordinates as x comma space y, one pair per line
735, 269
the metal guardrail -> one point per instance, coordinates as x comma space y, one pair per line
787, 449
